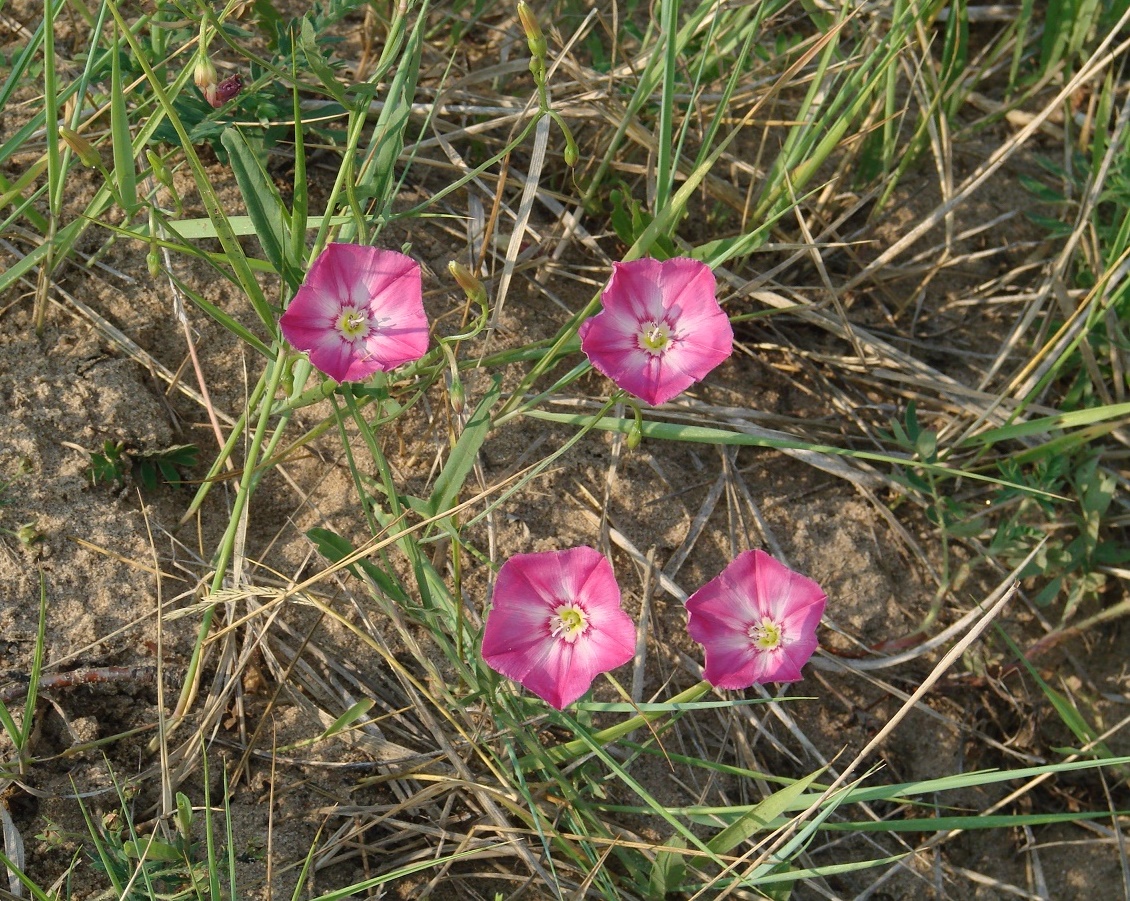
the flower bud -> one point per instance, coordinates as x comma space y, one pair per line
86, 151
206, 78
160, 170
456, 395
534, 36
466, 280
572, 154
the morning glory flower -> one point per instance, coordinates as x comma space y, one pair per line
661, 329
555, 623
757, 621
359, 311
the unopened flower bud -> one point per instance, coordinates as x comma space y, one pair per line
160, 170
572, 154
86, 151
534, 36
457, 395
466, 280
206, 78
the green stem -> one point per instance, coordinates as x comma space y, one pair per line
665, 164
580, 746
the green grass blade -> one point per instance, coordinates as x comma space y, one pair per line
665, 431
347, 719
377, 178
36, 666
125, 166
351, 891
666, 159
301, 200
212, 205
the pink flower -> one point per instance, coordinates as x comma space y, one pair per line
757, 621
555, 623
359, 310
661, 329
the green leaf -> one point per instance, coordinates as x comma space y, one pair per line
264, 203
462, 456
668, 870
184, 816
335, 548
378, 178
1066, 710
761, 815
347, 719
151, 850
308, 43
125, 166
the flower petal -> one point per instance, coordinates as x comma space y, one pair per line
636, 289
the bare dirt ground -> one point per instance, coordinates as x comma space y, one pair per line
110, 556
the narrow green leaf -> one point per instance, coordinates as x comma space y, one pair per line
9, 724
237, 259
998, 821
1113, 414
667, 871
313, 53
125, 166
352, 891
761, 815
265, 205
195, 229
36, 666
347, 719
151, 850
335, 548
1067, 711
462, 456
301, 200
377, 178
184, 815
666, 431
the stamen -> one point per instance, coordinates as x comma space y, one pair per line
654, 337
353, 323
766, 635
568, 622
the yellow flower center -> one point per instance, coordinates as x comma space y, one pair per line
766, 635
568, 622
353, 323
654, 337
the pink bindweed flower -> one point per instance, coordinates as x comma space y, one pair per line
661, 329
359, 311
555, 623
757, 621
